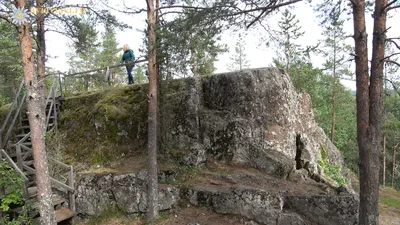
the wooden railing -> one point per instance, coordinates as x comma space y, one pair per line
23, 151
25, 179
6, 128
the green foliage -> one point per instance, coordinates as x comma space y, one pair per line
11, 183
333, 171
139, 74
195, 47
10, 180
10, 62
289, 52
238, 58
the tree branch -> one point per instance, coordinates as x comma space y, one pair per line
391, 40
387, 57
393, 7
264, 8
394, 86
184, 7
393, 62
388, 5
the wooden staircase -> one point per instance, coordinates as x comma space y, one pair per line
19, 154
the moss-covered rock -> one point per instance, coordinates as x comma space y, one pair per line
253, 118
104, 125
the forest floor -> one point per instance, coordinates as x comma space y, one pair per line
389, 206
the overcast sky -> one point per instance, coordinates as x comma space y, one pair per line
257, 52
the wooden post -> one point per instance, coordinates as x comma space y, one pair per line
19, 157
71, 194
55, 124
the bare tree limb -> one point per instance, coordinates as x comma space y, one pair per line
389, 4
393, 7
134, 11
185, 7
394, 86
393, 62
391, 40
391, 55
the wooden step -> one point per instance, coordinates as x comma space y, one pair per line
56, 200
20, 136
32, 192
24, 127
61, 215
28, 163
64, 214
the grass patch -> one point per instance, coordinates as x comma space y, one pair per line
112, 213
391, 202
188, 174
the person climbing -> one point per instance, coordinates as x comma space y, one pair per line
129, 59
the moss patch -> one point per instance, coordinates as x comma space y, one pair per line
3, 112
391, 202
103, 126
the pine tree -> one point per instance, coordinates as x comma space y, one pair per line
109, 53
336, 52
10, 62
289, 31
84, 51
239, 58
139, 74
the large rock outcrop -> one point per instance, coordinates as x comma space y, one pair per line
254, 117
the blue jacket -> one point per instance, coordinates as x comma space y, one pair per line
128, 56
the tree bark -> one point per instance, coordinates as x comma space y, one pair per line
36, 118
384, 161
334, 93
152, 202
394, 163
369, 107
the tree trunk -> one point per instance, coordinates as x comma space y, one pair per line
152, 202
193, 61
287, 54
369, 107
394, 163
159, 88
384, 161
333, 94
36, 118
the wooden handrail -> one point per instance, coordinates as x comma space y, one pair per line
13, 121
12, 163
4, 140
61, 164
12, 106
56, 182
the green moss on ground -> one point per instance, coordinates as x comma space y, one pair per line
102, 126
3, 112
390, 201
